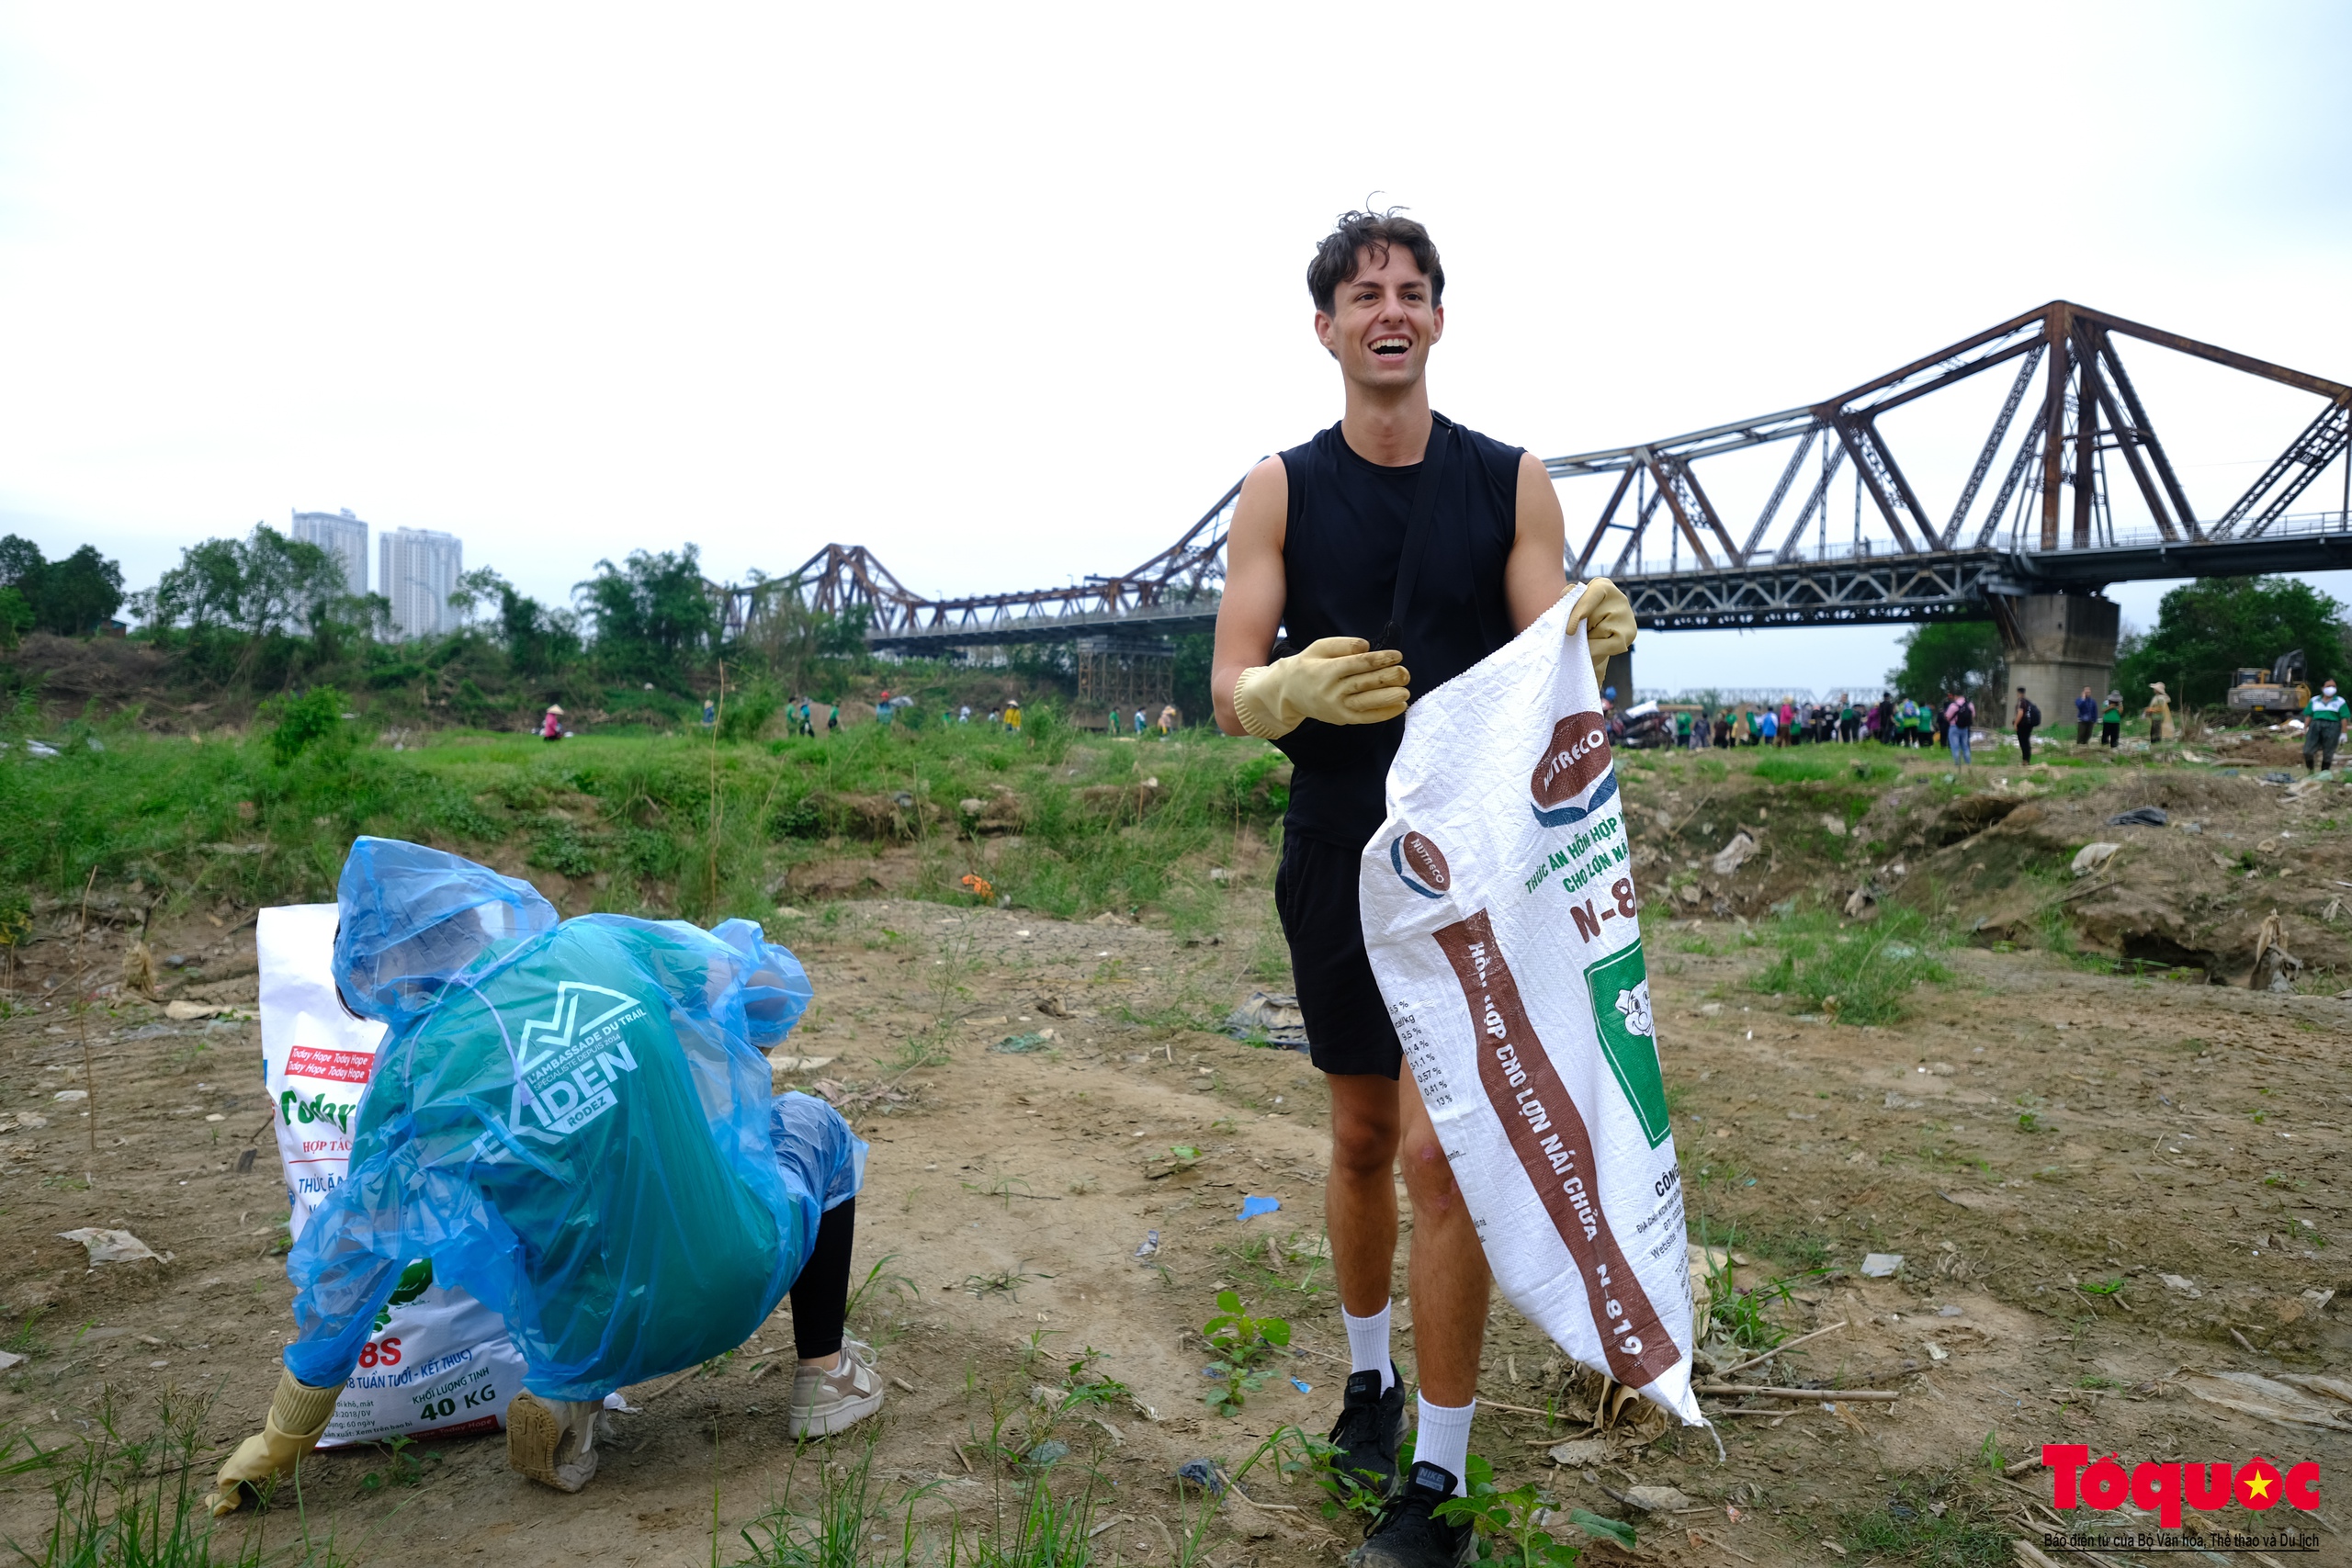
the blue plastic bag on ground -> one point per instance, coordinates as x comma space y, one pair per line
573, 1120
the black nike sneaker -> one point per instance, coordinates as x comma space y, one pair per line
1370, 1425
1409, 1534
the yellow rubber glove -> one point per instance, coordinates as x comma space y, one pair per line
1338, 680
1608, 616
297, 1416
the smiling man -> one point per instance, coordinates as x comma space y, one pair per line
1393, 551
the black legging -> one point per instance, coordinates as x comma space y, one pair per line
820, 1296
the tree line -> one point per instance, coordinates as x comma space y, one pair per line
2206, 629
268, 613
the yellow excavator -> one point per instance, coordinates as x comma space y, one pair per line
2281, 689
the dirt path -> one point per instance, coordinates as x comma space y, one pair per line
2037, 1134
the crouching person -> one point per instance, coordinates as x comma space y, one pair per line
572, 1120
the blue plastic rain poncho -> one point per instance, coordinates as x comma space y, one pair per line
572, 1120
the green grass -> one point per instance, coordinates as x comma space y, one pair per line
654, 825
1855, 973
120, 1501
1815, 764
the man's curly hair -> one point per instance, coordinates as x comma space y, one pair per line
1340, 257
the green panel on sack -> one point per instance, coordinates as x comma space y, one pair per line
1621, 1016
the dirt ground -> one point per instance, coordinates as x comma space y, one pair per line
2101, 1184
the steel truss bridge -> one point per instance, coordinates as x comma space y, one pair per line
2048, 525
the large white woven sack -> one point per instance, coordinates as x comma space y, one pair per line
1499, 911
439, 1363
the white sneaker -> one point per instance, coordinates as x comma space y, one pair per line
824, 1402
553, 1441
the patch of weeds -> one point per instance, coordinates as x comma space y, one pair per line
1084, 1385
1855, 975
1003, 1283
1989, 1455
118, 1499
1506, 1522
1808, 1249
1244, 1344
407, 1468
2028, 1121
838, 1532
1740, 1314
924, 1048
1931, 1527
1002, 1187
25, 1339
878, 1284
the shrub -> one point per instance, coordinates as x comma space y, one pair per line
313, 720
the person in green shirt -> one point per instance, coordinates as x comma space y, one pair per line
2323, 721
1683, 731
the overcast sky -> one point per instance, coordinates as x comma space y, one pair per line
1011, 294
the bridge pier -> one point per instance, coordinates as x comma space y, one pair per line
1621, 675
2055, 644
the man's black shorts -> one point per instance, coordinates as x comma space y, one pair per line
1347, 1023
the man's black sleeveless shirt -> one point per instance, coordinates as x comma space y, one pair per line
1345, 539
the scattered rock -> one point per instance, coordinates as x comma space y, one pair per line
1579, 1452
1658, 1499
1272, 1016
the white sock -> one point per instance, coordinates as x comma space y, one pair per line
1368, 1345
1443, 1438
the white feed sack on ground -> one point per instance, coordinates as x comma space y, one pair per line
1498, 910
438, 1360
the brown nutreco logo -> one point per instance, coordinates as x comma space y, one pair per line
1577, 755
1427, 862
